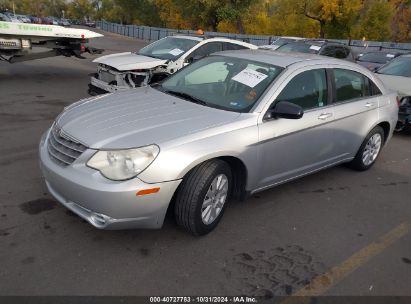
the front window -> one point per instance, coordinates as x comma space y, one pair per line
170, 48
300, 48
397, 67
308, 90
226, 83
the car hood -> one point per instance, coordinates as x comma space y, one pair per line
136, 118
129, 61
396, 83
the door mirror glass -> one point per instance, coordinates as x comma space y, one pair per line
285, 109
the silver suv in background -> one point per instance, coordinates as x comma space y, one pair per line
229, 125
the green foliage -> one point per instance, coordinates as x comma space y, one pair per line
345, 19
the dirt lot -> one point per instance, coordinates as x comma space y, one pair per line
342, 232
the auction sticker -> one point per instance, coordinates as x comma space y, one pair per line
176, 52
249, 77
315, 47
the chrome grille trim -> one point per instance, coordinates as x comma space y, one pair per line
61, 148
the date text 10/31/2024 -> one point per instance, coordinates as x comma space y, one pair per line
236, 299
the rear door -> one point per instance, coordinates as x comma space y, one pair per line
355, 109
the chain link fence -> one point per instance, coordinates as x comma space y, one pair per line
150, 34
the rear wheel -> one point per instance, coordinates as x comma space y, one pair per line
369, 150
202, 197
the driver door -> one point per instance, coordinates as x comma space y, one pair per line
291, 148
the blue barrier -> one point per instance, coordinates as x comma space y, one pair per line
150, 34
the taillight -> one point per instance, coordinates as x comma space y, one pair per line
398, 101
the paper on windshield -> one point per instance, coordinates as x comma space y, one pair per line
315, 47
249, 77
176, 52
390, 55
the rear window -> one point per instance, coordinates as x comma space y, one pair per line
227, 46
300, 48
350, 85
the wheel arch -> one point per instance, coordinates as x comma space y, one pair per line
385, 125
238, 169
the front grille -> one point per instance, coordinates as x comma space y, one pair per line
63, 149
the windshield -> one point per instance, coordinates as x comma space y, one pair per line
169, 48
226, 83
300, 48
398, 67
376, 57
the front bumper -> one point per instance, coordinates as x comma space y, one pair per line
105, 204
94, 91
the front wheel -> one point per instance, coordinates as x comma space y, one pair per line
369, 150
202, 197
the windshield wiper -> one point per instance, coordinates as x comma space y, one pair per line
187, 97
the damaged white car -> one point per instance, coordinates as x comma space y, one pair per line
156, 61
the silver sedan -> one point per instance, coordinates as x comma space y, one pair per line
230, 125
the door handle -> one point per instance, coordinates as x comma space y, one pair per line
324, 116
369, 104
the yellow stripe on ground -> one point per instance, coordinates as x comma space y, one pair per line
324, 282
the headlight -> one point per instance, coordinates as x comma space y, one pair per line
123, 164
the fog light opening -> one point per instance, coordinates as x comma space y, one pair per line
98, 219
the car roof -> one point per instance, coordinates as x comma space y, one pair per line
281, 59
291, 37
197, 38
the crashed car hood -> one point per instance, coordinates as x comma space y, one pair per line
396, 83
136, 118
130, 61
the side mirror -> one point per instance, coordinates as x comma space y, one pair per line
285, 109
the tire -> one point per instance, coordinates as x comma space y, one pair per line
400, 127
360, 162
190, 211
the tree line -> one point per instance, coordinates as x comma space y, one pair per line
382, 20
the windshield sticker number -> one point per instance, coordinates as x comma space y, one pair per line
390, 56
249, 77
176, 52
315, 47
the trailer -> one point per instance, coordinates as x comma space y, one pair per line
22, 41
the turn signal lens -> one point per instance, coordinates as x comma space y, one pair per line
147, 191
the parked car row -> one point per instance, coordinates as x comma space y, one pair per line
155, 62
10, 17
